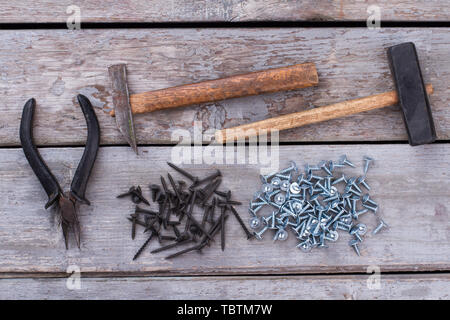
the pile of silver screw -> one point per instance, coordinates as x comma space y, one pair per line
312, 206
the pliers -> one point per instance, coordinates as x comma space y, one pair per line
66, 201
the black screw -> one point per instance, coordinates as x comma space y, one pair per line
226, 195
244, 227
183, 172
133, 225
211, 190
208, 178
222, 229
172, 245
228, 203
141, 249
156, 190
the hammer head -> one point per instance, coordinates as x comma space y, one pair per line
412, 94
121, 102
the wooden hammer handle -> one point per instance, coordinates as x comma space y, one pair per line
272, 80
298, 119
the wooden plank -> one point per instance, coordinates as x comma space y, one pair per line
54, 65
269, 287
230, 10
410, 183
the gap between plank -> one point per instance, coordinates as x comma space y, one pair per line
49, 275
284, 143
227, 24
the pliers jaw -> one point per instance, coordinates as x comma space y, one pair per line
69, 218
66, 201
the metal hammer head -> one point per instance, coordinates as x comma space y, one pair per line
121, 102
412, 95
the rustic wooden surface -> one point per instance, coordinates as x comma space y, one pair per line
414, 200
54, 65
218, 10
268, 287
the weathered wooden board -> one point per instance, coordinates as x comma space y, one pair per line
411, 185
54, 65
268, 287
216, 10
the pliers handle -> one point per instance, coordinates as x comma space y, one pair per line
66, 201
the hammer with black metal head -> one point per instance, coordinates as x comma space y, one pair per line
411, 94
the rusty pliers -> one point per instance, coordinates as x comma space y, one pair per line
66, 201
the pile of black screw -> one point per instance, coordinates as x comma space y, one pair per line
176, 222
312, 206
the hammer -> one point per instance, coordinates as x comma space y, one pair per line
411, 94
267, 81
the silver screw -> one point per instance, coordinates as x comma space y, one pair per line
309, 168
360, 229
267, 188
294, 188
255, 223
279, 198
352, 182
323, 165
275, 182
333, 165
381, 225
373, 209
366, 199
257, 204
270, 195
356, 214
354, 243
285, 184
253, 211
293, 168
362, 180
341, 179
258, 235
343, 160
367, 162
281, 235
305, 246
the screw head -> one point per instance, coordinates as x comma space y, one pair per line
255, 223
267, 188
305, 246
282, 235
279, 198
333, 235
360, 229
333, 191
365, 198
284, 186
275, 182
297, 206
342, 159
294, 188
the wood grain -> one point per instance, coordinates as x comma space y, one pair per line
243, 85
215, 10
411, 185
242, 287
54, 65
302, 118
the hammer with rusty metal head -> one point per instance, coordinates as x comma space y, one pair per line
272, 80
411, 94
